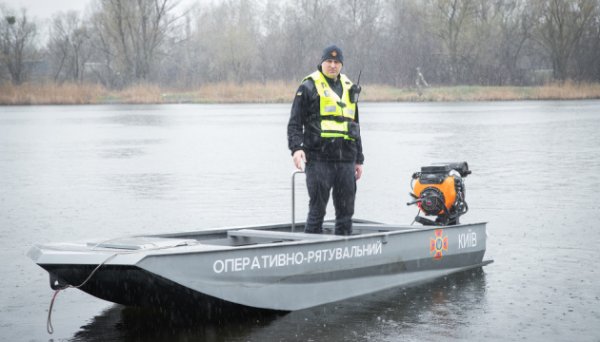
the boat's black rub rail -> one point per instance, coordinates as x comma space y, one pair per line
133, 286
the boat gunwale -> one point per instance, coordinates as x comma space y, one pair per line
201, 247
405, 229
277, 243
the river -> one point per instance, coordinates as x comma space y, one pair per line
94, 172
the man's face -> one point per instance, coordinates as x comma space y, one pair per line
331, 68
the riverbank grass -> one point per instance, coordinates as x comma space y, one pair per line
566, 91
276, 92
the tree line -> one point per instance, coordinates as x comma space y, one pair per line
482, 42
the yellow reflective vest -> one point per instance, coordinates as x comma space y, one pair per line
336, 112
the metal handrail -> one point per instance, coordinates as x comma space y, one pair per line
294, 198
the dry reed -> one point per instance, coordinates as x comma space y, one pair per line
276, 92
138, 94
49, 93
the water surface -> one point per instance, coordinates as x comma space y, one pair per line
89, 172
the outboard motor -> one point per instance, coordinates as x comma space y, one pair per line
439, 190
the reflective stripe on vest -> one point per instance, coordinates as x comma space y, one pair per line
335, 112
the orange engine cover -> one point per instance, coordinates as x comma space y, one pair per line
446, 187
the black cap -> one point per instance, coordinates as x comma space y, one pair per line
332, 52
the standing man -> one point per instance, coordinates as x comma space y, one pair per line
420, 82
324, 137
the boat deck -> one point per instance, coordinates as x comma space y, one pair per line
242, 236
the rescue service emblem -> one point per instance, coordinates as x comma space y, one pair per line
438, 245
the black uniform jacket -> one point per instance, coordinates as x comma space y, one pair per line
304, 128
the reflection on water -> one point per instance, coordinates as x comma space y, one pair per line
124, 148
387, 315
143, 185
138, 119
136, 324
121, 152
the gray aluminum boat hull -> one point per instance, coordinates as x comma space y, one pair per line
267, 267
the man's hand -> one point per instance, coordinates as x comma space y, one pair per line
299, 159
358, 170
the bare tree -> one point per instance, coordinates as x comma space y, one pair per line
451, 19
515, 28
231, 48
17, 36
406, 41
181, 66
271, 45
69, 47
452, 41
560, 25
130, 35
357, 25
308, 27
587, 56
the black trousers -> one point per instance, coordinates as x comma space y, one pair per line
323, 178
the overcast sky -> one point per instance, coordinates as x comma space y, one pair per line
44, 9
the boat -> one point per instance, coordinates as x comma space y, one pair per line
278, 266
267, 267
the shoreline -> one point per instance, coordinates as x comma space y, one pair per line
276, 92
